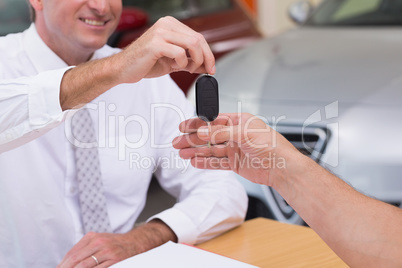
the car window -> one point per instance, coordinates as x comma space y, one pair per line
358, 13
180, 9
354, 8
14, 16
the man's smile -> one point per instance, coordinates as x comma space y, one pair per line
93, 22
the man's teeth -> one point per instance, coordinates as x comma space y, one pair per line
94, 22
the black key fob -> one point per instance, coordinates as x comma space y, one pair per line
207, 98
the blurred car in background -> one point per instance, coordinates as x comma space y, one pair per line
333, 87
225, 24
14, 16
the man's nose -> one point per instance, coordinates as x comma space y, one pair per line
100, 6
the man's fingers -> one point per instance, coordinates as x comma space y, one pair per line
209, 58
199, 50
196, 53
88, 262
79, 252
187, 43
168, 46
176, 53
105, 264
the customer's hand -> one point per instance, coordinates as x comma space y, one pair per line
168, 46
239, 142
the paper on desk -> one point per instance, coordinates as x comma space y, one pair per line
175, 255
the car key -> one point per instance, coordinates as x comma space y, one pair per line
207, 99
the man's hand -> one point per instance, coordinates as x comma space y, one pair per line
168, 46
240, 142
109, 249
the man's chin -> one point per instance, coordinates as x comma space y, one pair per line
94, 44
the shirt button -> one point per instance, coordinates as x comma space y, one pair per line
73, 190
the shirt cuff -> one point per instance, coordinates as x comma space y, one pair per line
185, 230
44, 98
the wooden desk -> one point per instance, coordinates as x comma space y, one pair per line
267, 243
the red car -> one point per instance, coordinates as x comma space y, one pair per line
225, 25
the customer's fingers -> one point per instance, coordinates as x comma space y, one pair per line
216, 163
192, 125
187, 141
205, 151
220, 134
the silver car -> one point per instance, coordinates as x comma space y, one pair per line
333, 87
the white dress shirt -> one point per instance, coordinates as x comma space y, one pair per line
135, 124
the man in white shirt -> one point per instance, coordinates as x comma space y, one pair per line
135, 120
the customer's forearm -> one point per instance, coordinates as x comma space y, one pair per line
364, 232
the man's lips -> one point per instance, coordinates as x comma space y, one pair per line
93, 22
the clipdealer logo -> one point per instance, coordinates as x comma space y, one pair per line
115, 131
327, 117
126, 133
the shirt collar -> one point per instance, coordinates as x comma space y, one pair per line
41, 56
44, 59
